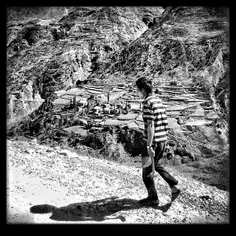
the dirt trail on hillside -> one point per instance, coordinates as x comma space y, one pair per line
54, 185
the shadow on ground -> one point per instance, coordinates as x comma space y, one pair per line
99, 210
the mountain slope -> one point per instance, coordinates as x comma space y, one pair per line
187, 45
48, 54
186, 54
28, 13
185, 51
54, 185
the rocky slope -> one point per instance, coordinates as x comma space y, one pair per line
48, 54
17, 13
187, 45
55, 185
185, 50
193, 139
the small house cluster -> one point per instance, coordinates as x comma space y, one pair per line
95, 103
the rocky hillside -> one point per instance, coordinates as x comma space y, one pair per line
186, 54
187, 45
184, 50
47, 54
56, 185
17, 13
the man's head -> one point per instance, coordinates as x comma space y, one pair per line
144, 86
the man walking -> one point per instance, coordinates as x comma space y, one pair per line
156, 126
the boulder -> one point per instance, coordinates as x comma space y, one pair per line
177, 160
171, 143
185, 159
169, 155
173, 125
199, 112
181, 151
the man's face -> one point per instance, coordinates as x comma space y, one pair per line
140, 93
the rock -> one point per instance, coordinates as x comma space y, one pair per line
49, 150
177, 160
192, 157
63, 152
26, 151
185, 159
199, 112
169, 156
173, 125
34, 141
171, 143
181, 151
205, 197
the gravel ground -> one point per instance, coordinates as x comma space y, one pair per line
54, 185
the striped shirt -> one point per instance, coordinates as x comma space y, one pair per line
153, 109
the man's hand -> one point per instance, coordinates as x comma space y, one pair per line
151, 152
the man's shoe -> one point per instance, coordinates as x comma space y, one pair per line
175, 194
148, 201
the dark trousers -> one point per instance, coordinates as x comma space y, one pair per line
148, 181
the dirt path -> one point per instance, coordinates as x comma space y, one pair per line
53, 185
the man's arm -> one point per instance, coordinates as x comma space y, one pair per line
150, 132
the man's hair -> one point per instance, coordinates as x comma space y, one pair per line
144, 83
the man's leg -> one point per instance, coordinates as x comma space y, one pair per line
149, 183
160, 148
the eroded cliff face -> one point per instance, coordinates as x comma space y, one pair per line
22, 103
14, 14
188, 45
52, 54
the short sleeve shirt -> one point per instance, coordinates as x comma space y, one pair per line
153, 109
